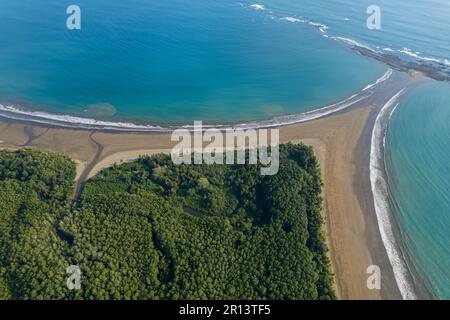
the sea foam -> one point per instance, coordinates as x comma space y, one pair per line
386, 76
381, 198
354, 43
322, 27
61, 120
417, 55
258, 6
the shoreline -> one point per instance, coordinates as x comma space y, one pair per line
324, 135
11, 113
383, 207
423, 288
348, 137
340, 139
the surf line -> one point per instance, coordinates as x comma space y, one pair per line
75, 122
381, 198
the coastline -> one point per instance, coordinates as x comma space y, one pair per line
325, 135
383, 208
12, 113
351, 250
339, 140
348, 137
422, 287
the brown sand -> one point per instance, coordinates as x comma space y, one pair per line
346, 224
334, 139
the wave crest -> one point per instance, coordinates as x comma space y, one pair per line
12, 112
381, 198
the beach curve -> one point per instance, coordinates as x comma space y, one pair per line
381, 198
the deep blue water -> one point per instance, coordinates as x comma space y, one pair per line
168, 61
179, 61
421, 27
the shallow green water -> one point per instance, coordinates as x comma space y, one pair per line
418, 161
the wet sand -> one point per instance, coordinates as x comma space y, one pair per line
352, 235
341, 141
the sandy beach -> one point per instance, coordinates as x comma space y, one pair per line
352, 235
108, 87
341, 136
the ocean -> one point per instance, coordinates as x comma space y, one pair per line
417, 160
170, 61
177, 61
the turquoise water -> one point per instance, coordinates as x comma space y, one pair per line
418, 160
170, 61
408, 28
216, 61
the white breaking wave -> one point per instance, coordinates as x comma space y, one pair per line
386, 76
68, 120
13, 112
258, 6
318, 25
352, 42
310, 115
410, 53
322, 27
381, 198
417, 55
293, 20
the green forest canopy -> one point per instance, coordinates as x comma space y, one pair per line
152, 230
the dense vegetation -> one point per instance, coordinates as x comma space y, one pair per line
153, 230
